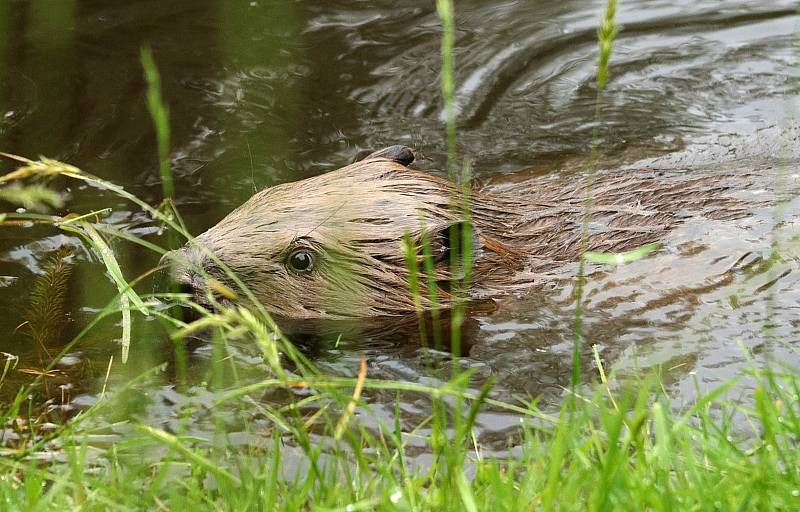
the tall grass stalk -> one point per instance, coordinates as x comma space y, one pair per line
460, 234
447, 16
449, 452
160, 114
606, 34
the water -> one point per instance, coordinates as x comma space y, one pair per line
262, 93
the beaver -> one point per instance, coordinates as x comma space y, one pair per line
332, 246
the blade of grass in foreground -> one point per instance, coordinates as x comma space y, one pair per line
445, 10
606, 34
127, 295
176, 444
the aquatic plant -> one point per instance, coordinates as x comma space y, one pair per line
45, 314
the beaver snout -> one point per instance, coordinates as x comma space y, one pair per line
187, 271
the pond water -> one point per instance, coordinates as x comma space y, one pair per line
266, 92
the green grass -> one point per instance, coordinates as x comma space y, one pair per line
630, 453
606, 34
160, 115
611, 446
446, 13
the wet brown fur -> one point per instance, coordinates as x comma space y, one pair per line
353, 220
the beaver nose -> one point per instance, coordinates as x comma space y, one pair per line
187, 271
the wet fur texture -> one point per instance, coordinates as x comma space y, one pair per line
354, 219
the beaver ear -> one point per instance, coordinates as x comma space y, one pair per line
400, 154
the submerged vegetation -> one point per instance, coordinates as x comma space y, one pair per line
611, 446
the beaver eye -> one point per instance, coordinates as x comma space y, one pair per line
301, 261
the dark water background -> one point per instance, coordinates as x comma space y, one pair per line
265, 92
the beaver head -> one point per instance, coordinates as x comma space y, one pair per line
332, 246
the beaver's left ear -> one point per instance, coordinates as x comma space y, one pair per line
400, 154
